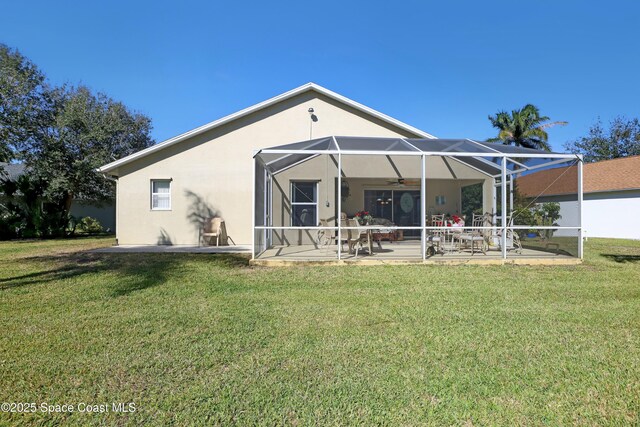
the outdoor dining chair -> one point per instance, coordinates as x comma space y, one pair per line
354, 237
474, 238
437, 238
325, 237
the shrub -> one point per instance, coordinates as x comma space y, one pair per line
89, 225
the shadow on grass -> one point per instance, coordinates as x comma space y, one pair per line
230, 261
621, 258
131, 272
549, 250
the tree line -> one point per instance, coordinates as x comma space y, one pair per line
61, 134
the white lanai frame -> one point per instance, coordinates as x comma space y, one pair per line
482, 157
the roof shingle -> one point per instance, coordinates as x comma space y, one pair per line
607, 175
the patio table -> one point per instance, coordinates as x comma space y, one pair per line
369, 234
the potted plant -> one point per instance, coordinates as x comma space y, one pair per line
363, 217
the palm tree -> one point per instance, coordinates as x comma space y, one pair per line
523, 128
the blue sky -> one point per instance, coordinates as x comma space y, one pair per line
440, 66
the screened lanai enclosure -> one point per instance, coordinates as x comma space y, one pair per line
400, 199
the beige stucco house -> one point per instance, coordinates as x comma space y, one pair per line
210, 168
251, 169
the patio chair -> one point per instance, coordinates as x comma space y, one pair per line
494, 239
215, 227
354, 238
474, 238
344, 233
325, 237
436, 238
513, 239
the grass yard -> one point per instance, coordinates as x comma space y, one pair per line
206, 339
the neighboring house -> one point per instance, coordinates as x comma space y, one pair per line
105, 213
611, 195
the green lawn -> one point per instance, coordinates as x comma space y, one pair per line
205, 339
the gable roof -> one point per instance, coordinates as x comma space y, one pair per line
290, 94
607, 175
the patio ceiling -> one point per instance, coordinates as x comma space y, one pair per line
481, 156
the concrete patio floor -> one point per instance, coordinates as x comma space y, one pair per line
239, 249
407, 252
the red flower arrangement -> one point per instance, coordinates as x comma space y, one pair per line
363, 217
457, 221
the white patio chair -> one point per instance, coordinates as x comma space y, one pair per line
437, 238
474, 238
325, 238
355, 237
513, 239
344, 234
215, 228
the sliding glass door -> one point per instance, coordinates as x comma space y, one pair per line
400, 206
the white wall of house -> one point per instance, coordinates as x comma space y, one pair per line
612, 214
608, 214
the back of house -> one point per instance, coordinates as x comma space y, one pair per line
166, 192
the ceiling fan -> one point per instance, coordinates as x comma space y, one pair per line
398, 182
402, 182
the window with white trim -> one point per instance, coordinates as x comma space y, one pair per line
160, 194
304, 203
